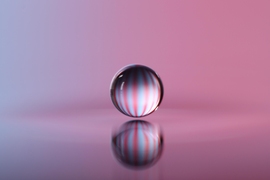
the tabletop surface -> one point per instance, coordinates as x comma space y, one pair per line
198, 144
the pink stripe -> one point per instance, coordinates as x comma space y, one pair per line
135, 144
135, 93
146, 150
146, 90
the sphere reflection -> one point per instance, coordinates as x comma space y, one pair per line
137, 144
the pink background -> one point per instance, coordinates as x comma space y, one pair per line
57, 59
64, 53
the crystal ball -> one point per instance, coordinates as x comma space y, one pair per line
136, 90
137, 144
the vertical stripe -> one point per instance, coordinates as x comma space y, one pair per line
135, 86
141, 144
131, 146
151, 145
146, 150
157, 90
146, 92
141, 94
119, 95
135, 143
128, 94
125, 148
138, 143
136, 91
151, 95
154, 93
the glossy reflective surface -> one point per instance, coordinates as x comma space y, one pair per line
136, 90
199, 143
137, 144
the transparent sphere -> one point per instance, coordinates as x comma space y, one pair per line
137, 144
136, 90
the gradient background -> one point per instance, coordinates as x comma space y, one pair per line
57, 59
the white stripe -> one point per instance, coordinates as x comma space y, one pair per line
141, 94
129, 94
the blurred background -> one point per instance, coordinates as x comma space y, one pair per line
57, 59
65, 53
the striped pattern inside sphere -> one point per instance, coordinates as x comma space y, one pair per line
138, 144
136, 91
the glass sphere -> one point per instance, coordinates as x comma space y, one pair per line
137, 144
136, 90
